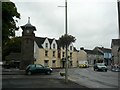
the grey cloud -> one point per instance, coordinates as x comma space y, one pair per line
91, 23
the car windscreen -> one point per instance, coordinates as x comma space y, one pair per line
100, 64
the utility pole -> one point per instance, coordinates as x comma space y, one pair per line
66, 33
66, 65
118, 4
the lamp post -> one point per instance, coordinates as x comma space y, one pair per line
118, 4
66, 65
66, 33
119, 56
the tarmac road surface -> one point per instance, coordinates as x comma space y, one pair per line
17, 79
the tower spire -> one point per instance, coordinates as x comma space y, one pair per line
28, 20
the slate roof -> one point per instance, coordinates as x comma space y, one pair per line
106, 50
103, 50
50, 40
94, 52
39, 41
75, 49
28, 25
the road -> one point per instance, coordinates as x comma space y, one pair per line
83, 76
94, 79
36, 81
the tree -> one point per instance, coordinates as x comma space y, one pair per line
10, 17
13, 45
66, 40
9, 20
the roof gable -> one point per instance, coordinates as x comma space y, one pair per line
39, 41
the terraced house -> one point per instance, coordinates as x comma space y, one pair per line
48, 53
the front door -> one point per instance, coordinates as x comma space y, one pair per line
54, 63
46, 63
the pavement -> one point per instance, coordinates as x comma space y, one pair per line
48, 82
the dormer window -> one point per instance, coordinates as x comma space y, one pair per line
70, 47
46, 45
53, 46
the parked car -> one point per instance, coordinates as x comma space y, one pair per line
115, 68
83, 64
100, 66
37, 68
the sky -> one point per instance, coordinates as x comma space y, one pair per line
92, 22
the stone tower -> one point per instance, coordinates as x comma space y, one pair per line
27, 48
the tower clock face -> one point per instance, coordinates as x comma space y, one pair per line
28, 31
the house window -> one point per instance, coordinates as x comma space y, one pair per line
46, 63
63, 54
53, 53
53, 63
46, 53
70, 47
53, 46
46, 45
59, 53
70, 63
70, 55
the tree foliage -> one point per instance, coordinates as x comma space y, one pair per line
13, 45
9, 20
10, 17
66, 40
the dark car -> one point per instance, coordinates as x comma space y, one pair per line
100, 67
115, 68
37, 68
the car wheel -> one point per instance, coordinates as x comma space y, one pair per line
29, 73
48, 72
105, 70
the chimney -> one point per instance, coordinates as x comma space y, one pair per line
82, 48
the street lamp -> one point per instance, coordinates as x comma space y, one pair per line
118, 4
66, 64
